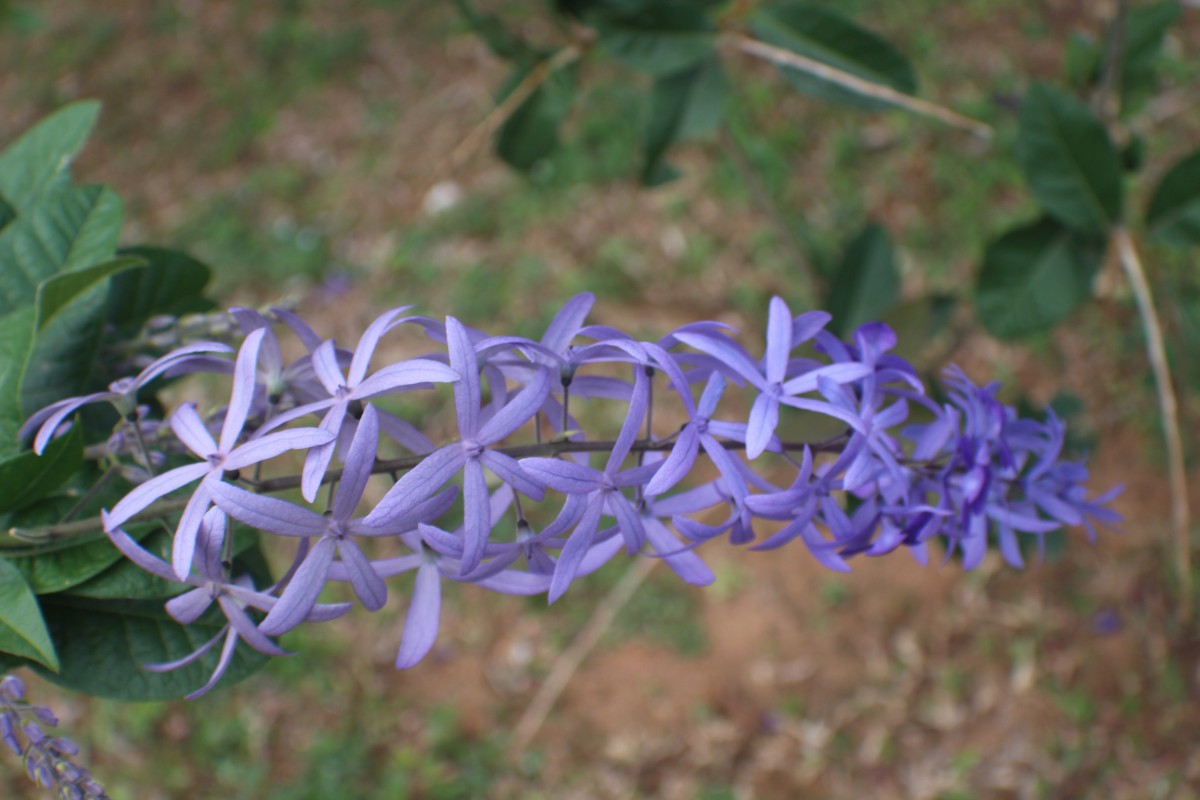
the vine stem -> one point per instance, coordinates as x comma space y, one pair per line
878, 91
66, 530
1169, 410
569, 661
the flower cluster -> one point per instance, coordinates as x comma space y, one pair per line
522, 496
47, 758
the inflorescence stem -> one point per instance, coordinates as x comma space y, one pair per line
44, 534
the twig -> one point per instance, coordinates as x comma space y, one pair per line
1106, 99
65, 530
1168, 407
862, 86
503, 110
570, 659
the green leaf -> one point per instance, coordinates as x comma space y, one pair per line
499, 39
1145, 29
22, 629
7, 213
866, 284
43, 155
65, 352
69, 229
824, 35
660, 37
56, 292
16, 338
104, 645
1174, 212
671, 101
28, 477
68, 568
1069, 160
1033, 277
172, 282
1081, 62
531, 131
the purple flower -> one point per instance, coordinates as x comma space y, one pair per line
211, 585
601, 491
47, 758
356, 386
122, 394
773, 382
699, 431
471, 452
331, 533
219, 458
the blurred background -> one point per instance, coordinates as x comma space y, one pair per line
329, 154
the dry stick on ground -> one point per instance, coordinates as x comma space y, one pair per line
570, 659
786, 58
1168, 407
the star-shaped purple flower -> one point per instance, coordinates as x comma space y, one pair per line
211, 585
219, 458
471, 452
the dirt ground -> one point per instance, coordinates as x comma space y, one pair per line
1069, 679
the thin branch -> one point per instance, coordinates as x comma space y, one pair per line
65, 530
1106, 99
1168, 408
878, 91
569, 661
503, 110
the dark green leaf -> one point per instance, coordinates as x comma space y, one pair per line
1033, 277
7, 213
1069, 160
866, 284
531, 131
28, 477
16, 340
69, 229
1174, 213
172, 282
1145, 29
42, 156
65, 352
1081, 62
499, 39
660, 37
22, 629
56, 292
824, 35
60, 570
688, 103
104, 645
